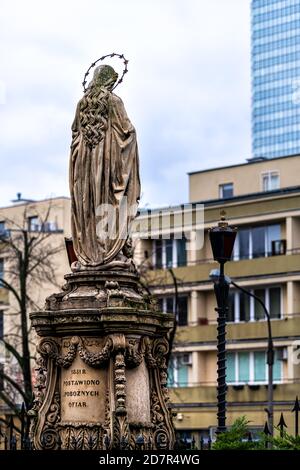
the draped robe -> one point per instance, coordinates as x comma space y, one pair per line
107, 173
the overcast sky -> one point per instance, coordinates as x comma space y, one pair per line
187, 91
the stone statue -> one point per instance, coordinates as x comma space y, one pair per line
104, 174
101, 375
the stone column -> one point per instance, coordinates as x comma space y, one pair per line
102, 366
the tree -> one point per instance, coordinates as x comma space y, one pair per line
28, 250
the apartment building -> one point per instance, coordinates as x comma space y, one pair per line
51, 219
262, 199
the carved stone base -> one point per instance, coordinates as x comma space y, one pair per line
102, 367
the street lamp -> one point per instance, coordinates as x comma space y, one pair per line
222, 240
214, 275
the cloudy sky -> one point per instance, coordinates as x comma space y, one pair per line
187, 91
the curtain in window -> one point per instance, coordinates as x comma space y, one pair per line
244, 367
277, 368
170, 382
230, 367
182, 374
259, 366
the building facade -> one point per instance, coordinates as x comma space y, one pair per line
261, 198
275, 67
266, 261
48, 219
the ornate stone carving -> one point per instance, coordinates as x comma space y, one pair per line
44, 432
126, 345
134, 352
81, 436
50, 348
97, 359
120, 432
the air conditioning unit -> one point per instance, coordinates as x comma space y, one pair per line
282, 354
186, 359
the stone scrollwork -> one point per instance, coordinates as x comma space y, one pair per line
49, 348
161, 416
134, 352
97, 359
45, 435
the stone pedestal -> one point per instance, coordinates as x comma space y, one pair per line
102, 366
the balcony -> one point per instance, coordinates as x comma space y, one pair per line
281, 264
198, 406
189, 335
206, 395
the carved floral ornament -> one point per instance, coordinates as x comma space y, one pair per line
116, 432
133, 349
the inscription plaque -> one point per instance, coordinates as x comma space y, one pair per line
83, 391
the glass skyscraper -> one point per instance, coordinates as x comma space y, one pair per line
275, 78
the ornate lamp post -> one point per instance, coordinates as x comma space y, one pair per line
214, 274
222, 240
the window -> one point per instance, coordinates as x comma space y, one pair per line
160, 304
48, 227
158, 254
182, 311
33, 224
243, 238
178, 370
181, 252
256, 242
168, 305
251, 367
270, 180
169, 253
242, 307
225, 190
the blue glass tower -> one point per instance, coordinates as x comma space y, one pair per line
275, 78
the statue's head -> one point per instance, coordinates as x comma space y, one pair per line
105, 76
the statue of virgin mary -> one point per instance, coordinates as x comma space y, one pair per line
104, 173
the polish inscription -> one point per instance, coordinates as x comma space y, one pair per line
83, 393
